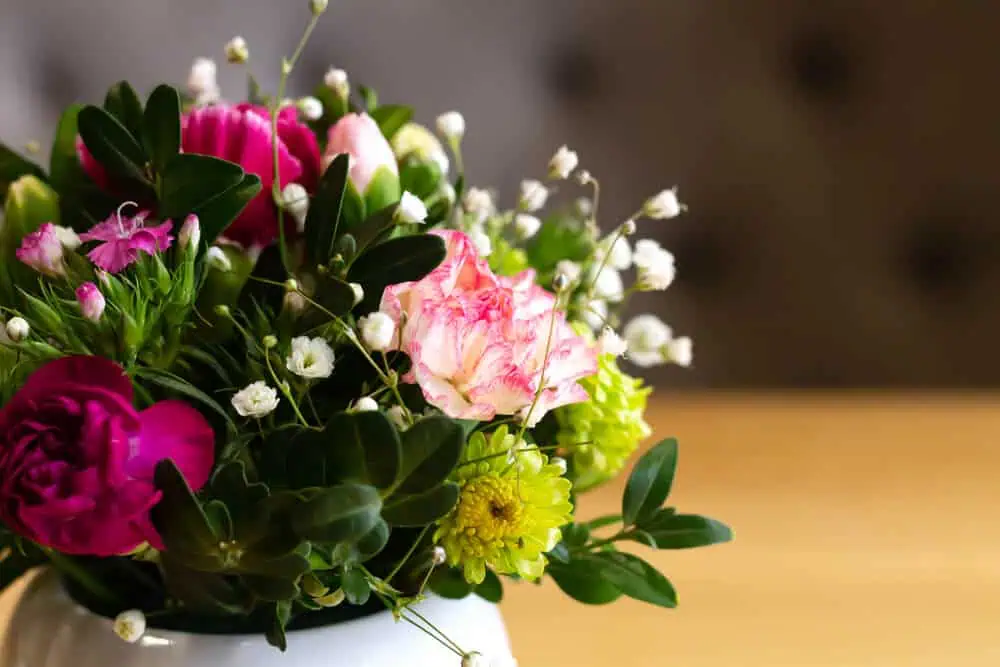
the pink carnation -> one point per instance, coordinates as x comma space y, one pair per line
478, 341
122, 239
43, 251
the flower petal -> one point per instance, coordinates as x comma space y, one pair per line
174, 430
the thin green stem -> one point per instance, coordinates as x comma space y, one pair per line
433, 627
409, 554
284, 389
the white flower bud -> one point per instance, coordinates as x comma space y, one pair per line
681, 351
534, 194
563, 163
663, 205
526, 225
482, 242
190, 234
620, 255
67, 237
377, 331
451, 125
365, 404
359, 292
559, 462
478, 203
337, 81
584, 207
411, 209
18, 329
655, 267
583, 177
310, 358
447, 191
310, 108
317, 7
647, 338
237, 51
628, 227
611, 343
608, 285
256, 400
295, 200
475, 659
217, 259
438, 555
561, 282
130, 625
397, 415
202, 83
570, 269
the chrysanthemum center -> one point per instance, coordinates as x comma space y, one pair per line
490, 509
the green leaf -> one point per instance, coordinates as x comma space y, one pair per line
391, 118
335, 295
581, 580
323, 216
191, 181
21, 557
179, 518
375, 228
219, 212
423, 509
13, 166
123, 103
343, 513
375, 437
371, 544
450, 584
649, 484
431, 449
64, 165
355, 585
161, 126
174, 384
203, 592
275, 634
603, 521
369, 97
685, 531
219, 519
290, 566
395, 261
111, 144
575, 534
491, 589
271, 589
635, 578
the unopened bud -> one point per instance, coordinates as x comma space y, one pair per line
222, 310
291, 285
317, 7
439, 555
561, 282
269, 341
628, 227
310, 108
217, 259
237, 51
337, 81
359, 292
190, 235
18, 329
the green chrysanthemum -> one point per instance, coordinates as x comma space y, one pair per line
511, 506
611, 423
506, 259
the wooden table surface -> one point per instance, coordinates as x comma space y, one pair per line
866, 534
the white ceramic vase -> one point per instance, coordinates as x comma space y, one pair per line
48, 629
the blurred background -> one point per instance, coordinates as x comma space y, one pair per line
841, 158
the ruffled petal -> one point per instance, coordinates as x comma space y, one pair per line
174, 430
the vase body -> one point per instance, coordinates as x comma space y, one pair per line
46, 628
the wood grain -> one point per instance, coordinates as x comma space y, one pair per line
865, 529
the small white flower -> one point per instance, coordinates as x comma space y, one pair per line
681, 351
256, 400
397, 415
336, 80
359, 292
411, 209
237, 50
310, 358
584, 207
438, 555
534, 194
130, 625
609, 285
481, 241
475, 659
526, 225
584, 177
663, 205
611, 343
620, 257
594, 313
317, 7
563, 163
366, 404
570, 269
377, 331
190, 235
647, 338
654, 266
17, 329
218, 260
479, 203
451, 125
310, 108
295, 200
628, 227
202, 83
67, 237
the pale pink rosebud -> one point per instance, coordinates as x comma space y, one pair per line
190, 234
359, 136
91, 301
43, 251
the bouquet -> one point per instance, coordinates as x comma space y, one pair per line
273, 364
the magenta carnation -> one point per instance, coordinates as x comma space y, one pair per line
77, 460
122, 239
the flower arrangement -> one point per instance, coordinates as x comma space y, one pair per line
272, 363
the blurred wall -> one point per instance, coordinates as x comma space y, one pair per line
840, 158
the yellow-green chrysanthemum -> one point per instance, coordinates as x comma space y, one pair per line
611, 423
507, 260
509, 511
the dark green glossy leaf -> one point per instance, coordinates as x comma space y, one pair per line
581, 580
355, 585
343, 513
111, 144
560, 553
374, 229
450, 584
575, 534
179, 518
324, 210
275, 634
373, 542
649, 484
203, 592
491, 589
635, 578
374, 435
219, 212
395, 261
334, 295
271, 589
685, 531
431, 449
391, 118
123, 103
219, 519
603, 521
13, 166
161, 126
289, 566
422, 509
191, 181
